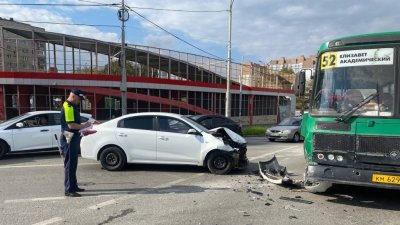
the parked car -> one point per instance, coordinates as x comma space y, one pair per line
214, 121
164, 138
32, 131
288, 129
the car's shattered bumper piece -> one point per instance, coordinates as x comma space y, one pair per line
273, 172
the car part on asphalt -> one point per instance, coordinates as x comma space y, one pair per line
317, 187
271, 171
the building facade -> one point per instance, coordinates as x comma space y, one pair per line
159, 80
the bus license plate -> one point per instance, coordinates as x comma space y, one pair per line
386, 179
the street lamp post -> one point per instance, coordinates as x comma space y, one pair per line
240, 92
123, 16
228, 66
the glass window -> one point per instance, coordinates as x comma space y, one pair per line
361, 76
219, 121
207, 122
290, 122
140, 123
167, 124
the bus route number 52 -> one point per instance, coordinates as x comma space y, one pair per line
328, 60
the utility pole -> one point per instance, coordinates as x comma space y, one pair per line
228, 66
123, 15
240, 91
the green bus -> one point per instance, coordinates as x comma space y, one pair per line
352, 130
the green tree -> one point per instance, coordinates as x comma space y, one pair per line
287, 70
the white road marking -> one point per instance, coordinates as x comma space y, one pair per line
34, 199
49, 165
271, 153
101, 205
179, 181
50, 221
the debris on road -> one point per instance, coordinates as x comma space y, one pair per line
249, 190
244, 213
274, 173
292, 217
291, 208
296, 200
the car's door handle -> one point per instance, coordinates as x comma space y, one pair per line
45, 130
122, 135
163, 138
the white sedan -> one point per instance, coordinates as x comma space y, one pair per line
28, 132
164, 138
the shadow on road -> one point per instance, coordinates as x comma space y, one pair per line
367, 197
165, 168
16, 158
177, 189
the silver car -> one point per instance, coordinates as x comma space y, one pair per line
288, 129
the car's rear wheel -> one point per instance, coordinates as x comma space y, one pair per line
296, 137
113, 159
3, 149
219, 163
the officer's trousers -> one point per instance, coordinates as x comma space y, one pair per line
70, 153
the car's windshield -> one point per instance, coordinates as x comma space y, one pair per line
13, 120
290, 122
346, 78
194, 123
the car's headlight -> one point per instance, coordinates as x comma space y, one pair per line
268, 131
286, 131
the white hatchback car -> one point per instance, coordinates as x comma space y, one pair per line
27, 133
164, 138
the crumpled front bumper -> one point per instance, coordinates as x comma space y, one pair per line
346, 175
239, 157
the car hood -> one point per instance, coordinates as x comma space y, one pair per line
232, 135
282, 128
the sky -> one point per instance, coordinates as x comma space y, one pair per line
262, 30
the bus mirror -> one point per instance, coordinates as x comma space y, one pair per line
300, 84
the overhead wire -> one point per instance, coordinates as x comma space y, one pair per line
57, 4
179, 10
175, 36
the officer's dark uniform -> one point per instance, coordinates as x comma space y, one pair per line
70, 114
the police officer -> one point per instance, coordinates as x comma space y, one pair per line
70, 140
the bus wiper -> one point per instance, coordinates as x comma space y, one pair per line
347, 114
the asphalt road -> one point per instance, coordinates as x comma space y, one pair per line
31, 192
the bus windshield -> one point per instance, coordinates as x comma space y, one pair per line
346, 78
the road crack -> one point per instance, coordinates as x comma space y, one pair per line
111, 218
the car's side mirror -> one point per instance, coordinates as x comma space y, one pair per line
20, 125
193, 131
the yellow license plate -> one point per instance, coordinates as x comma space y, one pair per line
386, 179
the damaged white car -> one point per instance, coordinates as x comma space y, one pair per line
164, 138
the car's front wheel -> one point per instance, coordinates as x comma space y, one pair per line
219, 163
296, 137
3, 149
271, 139
113, 159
